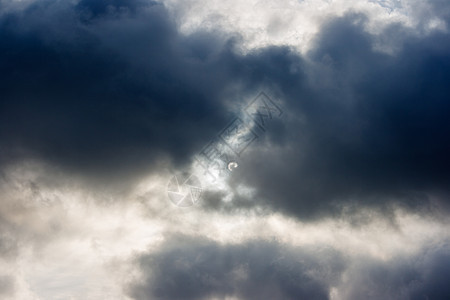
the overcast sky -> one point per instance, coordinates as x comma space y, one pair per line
335, 184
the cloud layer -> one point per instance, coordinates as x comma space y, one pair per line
344, 196
194, 268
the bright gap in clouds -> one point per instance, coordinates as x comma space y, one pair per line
99, 100
91, 252
262, 23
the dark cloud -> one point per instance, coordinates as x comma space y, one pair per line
421, 276
112, 89
105, 87
372, 128
196, 268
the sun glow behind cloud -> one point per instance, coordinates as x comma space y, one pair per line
95, 241
350, 182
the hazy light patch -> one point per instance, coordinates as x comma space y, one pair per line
437, 24
82, 246
379, 237
79, 261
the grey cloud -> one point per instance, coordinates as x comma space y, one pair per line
421, 276
373, 129
196, 268
111, 90
105, 88
8, 244
6, 286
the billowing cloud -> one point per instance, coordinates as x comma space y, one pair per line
105, 87
192, 268
125, 90
343, 195
195, 268
417, 277
373, 127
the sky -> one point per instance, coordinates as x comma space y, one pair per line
192, 149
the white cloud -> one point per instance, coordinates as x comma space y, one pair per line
82, 247
293, 23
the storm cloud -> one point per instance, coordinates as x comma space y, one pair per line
373, 127
193, 268
343, 195
112, 88
105, 86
